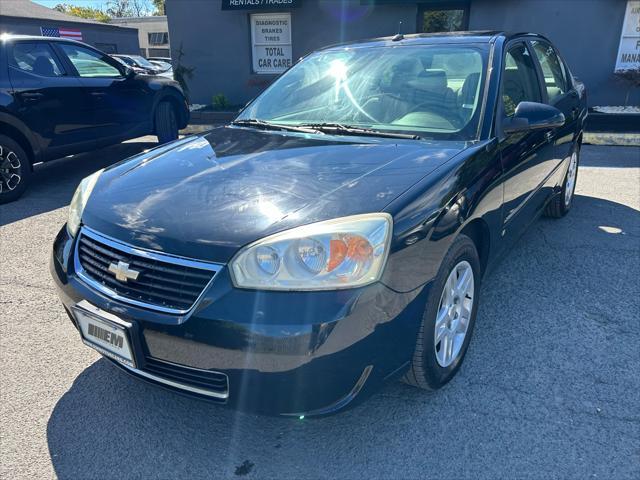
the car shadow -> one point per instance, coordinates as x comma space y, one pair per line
521, 402
53, 183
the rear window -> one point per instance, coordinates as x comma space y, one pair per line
36, 58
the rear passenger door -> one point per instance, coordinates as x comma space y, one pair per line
46, 96
560, 93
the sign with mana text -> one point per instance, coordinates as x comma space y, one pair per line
629, 51
271, 42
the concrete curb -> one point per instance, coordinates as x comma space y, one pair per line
612, 138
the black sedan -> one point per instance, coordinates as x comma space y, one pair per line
336, 234
59, 97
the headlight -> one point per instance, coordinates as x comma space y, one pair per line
342, 253
79, 201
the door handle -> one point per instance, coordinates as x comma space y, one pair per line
31, 97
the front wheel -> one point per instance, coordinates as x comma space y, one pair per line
166, 123
449, 317
15, 170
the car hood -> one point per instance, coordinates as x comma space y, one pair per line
206, 196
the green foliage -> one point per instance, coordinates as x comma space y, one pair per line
83, 12
220, 102
182, 73
159, 6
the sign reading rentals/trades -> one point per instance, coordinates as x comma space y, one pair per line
271, 42
629, 51
258, 4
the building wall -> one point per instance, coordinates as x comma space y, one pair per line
586, 32
218, 42
125, 39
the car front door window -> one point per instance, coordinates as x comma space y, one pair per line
89, 63
519, 80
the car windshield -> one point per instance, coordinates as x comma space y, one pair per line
433, 91
142, 62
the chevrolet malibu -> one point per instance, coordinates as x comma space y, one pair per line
336, 234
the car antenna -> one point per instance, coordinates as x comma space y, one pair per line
398, 36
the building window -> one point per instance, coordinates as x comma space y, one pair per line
158, 38
107, 47
452, 18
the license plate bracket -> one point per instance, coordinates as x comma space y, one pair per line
105, 333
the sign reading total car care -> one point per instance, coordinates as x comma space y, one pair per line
271, 41
629, 51
258, 4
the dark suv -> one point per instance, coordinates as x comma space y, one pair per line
60, 97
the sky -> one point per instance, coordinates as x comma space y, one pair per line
80, 3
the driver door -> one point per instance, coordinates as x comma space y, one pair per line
524, 155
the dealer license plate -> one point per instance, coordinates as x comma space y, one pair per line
105, 333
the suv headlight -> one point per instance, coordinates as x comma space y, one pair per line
79, 201
342, 253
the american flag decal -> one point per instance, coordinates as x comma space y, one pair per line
61, 32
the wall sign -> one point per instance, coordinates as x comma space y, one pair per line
271, 42
258, 4
629, 51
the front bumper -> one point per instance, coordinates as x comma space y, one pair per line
288, 353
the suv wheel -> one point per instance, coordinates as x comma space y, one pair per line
15, 170
166, 122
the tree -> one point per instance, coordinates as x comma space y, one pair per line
130, 8
159, 6
83, 12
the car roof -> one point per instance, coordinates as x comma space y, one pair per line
441, 38
9, 37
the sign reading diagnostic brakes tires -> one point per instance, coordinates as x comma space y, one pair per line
271, 42
629, 51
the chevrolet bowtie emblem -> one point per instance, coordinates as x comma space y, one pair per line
122, 271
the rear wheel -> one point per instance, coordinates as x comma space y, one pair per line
560, 205
449, 318
15, 170
166, 122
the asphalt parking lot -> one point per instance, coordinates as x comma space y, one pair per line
550, 387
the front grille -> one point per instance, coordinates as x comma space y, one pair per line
201, 379
165, 283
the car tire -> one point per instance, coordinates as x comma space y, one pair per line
15, 170
432, 366
166, 122
561, 203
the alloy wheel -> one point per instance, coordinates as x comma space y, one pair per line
10, 168
572, 173
454, 313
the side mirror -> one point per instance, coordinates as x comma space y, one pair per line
533, 116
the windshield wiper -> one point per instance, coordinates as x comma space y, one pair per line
254, 122
341, 129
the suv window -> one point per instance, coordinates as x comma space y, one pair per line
519, 79
89, 63
37, 58
555, 79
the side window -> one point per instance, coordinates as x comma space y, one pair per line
36, 58
519, 79
555, 79
89, 63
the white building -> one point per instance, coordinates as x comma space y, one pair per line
153, 34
